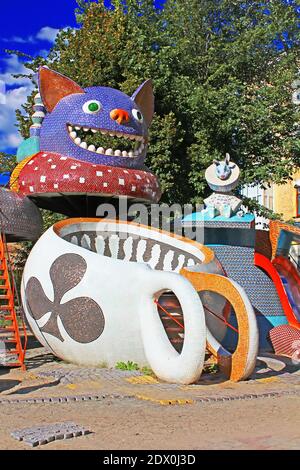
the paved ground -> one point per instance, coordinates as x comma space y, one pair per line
130, 410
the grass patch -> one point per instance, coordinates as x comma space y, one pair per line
129, 365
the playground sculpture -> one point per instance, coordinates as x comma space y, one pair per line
106, 289
223, 177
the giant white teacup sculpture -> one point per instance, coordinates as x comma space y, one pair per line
92, 299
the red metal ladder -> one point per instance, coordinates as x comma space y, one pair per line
12, 351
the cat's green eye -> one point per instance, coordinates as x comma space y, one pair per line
92, 107
138, 115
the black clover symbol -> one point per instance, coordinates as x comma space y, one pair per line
81, 317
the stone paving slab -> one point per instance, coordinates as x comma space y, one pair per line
81, 374
41, 435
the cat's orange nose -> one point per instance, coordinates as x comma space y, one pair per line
120, 115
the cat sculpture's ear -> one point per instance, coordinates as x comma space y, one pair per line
144, 98
227, 158
216, 162
54, 86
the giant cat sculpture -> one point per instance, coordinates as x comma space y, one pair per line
91, 141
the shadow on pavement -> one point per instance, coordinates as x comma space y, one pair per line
25, 390
7, 384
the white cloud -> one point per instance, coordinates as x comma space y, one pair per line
12, 65
22, 87
20, 39
47, 34
2, 92
16, 97
13, 99
12, 140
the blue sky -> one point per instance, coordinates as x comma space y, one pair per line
29, 26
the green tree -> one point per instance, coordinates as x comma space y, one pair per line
7, 162
222, 83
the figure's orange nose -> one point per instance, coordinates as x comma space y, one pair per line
120, 115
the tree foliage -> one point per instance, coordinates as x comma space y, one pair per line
222, 73
7, 162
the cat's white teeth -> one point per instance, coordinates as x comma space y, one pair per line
138, 145
139, 150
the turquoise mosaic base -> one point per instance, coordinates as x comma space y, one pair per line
204, 217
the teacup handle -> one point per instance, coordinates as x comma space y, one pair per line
165, 361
